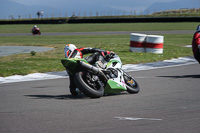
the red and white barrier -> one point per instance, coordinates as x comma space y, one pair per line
146, 43
137, 42
154, 44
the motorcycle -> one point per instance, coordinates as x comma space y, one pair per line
94, 82
36, 31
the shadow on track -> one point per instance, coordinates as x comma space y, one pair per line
183, 76
69, 97
59, 97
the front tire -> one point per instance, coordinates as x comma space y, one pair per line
131, 84
91, 88
133, 88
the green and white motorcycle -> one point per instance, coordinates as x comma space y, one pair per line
94, 81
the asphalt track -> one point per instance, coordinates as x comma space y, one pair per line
169, 101
10, 50
101, 33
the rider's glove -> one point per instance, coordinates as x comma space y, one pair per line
110, 54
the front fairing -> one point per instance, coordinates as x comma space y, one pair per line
71, 64
116, 85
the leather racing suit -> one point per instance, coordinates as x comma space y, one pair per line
195, 44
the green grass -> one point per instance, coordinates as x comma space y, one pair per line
50, 61
25, 28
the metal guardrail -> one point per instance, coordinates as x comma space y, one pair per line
135, 20
40, 21
104, 20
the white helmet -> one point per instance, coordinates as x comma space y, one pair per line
69, 48
35, 26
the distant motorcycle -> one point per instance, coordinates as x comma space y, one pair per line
95, 82
35, 31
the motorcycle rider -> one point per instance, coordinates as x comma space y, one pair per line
34, 28
196, 43
98, 57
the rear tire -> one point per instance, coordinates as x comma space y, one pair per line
96, 90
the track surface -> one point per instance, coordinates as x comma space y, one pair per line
9, 50
169, 101
101, 33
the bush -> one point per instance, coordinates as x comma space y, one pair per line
33, 53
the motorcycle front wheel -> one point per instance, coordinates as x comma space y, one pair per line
89, 84
131, 84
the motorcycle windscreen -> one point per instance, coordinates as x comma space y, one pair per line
113, 87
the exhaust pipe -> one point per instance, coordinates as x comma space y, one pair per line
88, 67
91, 68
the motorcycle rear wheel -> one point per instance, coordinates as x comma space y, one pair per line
84, 84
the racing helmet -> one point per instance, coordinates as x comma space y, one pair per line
35, 26
69, 48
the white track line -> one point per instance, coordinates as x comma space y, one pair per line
160, 64
128, 67
136, 119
